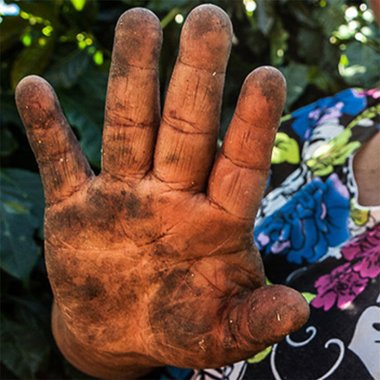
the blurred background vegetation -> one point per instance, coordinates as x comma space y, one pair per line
321, 46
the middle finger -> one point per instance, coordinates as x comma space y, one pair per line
187, 136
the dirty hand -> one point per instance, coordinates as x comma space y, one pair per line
152, 261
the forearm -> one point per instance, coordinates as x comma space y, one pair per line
90, 360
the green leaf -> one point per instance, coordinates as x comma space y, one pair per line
329, 59
9, 112
24, 346
278, 43
94, 84
296, 76
11, 29
66, 72
83, 106
86, 115
164, 6
8, 144
265, 16
363, 65
41, 8
78, 4
21, 209
25, 185
169, 17
301, 11
32, 59
331, 16
309, 45
18, 252
320, 78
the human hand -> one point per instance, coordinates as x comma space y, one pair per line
152, 261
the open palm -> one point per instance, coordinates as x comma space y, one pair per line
152, 261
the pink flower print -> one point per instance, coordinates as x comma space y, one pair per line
340, 287
374, 92
369, 266
364, 253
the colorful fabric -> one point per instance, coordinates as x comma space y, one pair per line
315, 237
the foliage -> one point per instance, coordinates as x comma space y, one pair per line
321, 46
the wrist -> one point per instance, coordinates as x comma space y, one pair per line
89, 359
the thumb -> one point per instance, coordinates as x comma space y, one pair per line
263, 318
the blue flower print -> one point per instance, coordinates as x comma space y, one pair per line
315, 219
350, 102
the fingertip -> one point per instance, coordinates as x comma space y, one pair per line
35, 97
267, 74
276, 311
208, 18
292, 305
264, 93
206, 37
30, 79
137, 19
138, 37
269, 81
31, 86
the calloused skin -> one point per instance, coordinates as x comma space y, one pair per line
152, 262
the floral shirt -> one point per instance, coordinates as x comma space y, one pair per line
315, 237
